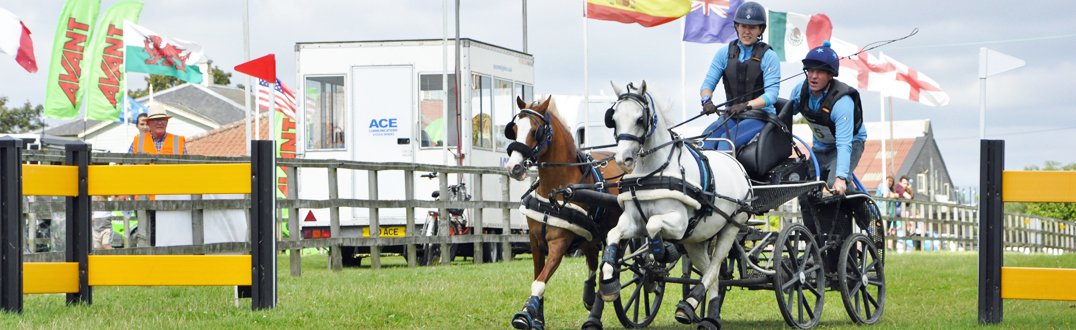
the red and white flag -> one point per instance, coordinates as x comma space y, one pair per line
862, 71
913, 85
15, 40
284, 98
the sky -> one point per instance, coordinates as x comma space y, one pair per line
1028, 107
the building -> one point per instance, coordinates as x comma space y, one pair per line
910, 151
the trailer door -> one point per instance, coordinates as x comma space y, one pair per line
383, 99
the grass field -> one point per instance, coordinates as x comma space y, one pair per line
925, 291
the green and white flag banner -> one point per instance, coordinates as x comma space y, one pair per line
149, 52
63, 94
107, 77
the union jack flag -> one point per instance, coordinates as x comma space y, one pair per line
708, 21
285, 98
719, 7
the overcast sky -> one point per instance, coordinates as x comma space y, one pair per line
1029, 107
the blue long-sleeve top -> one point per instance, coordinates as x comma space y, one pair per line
843, 116
771, 73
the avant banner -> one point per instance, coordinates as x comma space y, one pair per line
63, 94
107, 77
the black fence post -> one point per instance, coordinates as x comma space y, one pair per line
11, 225
262, 230
991, 230
78, 222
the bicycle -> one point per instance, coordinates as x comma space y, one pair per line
458, 222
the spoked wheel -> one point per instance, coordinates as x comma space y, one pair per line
861, 280
799, 280
642, 286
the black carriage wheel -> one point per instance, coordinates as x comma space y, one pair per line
861, 280
799, 281
640, 292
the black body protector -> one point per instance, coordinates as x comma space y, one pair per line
822, 126
744, 78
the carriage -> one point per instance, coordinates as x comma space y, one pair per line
844, 251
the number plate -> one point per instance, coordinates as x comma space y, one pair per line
387, 231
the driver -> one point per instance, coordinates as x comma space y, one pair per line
835, 114
750, 71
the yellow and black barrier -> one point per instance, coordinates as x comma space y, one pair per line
998, 186
77, 181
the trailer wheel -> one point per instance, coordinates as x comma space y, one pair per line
349, 256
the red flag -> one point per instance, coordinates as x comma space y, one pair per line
15, 40
263, 68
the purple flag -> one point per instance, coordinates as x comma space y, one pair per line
709, 21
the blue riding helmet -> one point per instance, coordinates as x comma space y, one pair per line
822, 58
750, 13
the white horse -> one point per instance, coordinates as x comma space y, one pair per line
644, 150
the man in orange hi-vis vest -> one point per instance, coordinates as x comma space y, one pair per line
158, 141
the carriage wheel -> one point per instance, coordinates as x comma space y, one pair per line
641, 289
799, 281
861, 280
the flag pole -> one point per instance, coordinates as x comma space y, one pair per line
881, 100
444, 84
246, 58
586, 80
683, 71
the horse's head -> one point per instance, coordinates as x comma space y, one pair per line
531, 133
633, 119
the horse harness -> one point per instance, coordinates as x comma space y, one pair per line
592, 220
543, 135
705, 195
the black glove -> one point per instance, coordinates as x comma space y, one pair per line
736, 109
708, 107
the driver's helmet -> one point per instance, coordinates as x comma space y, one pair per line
750, 13
822, 58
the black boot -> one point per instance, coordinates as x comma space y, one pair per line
594, 321
657, 247
532, 317
610, 288
713, 313
685, 313
588, 291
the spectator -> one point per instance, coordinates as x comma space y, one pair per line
143, 124
102, 228
163, 143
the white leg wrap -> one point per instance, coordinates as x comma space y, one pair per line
538, 289
607, 271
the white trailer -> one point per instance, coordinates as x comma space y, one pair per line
381, 101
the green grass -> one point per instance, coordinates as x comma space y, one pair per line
925, 291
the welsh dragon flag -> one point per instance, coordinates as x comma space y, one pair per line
148, 52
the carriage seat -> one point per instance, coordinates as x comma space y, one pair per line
773, 144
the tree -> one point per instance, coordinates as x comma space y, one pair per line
22, 119
1064, 211
158, 82
220, 77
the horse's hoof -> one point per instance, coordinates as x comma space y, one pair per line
685, 314
610, 289
521, 321
709, 324
592, 324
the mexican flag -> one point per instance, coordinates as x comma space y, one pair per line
148, 52
791, 35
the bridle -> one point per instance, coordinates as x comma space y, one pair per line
543, 134
649, 125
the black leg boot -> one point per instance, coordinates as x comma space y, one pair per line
713, 314
532, 317
685, 311
589, 287
594, 321
610, 288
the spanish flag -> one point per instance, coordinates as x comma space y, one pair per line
648, 13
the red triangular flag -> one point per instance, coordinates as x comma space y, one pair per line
263, 68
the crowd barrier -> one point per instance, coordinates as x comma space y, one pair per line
78, 181
998, 186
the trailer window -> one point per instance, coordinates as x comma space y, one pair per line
482, 109
325, 124
524, 91
503, 108
431, 123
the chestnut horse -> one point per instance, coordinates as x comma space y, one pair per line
540, 138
